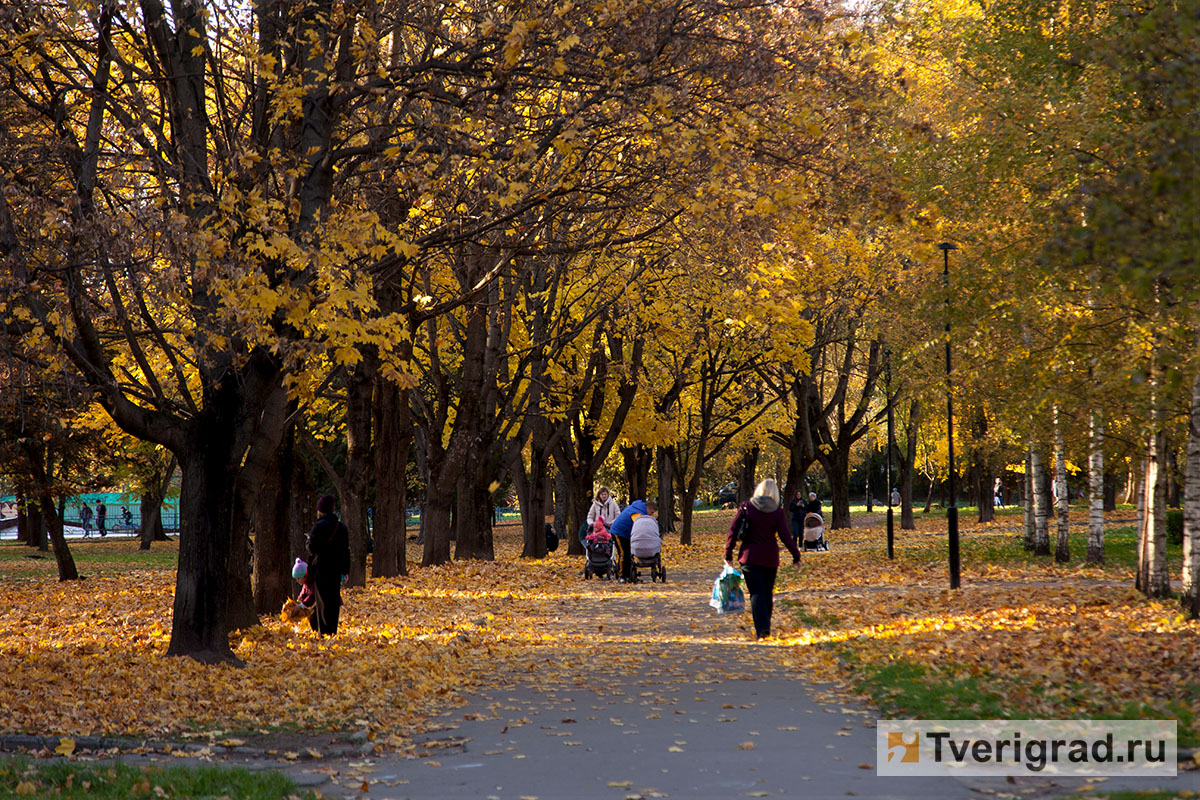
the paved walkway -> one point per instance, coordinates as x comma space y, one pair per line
655, 696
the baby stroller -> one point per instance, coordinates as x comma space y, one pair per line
653, 563
814, 532
601, 555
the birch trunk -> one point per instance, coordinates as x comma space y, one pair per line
1062, 499
1095, 548
1041, 506
1152, 564
1027, 503
1191, 507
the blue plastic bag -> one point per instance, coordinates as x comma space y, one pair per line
728, 597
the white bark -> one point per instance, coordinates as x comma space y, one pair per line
1041, 506
1030, 526
1191, 506
1152, 565
1095, 548
1062, 499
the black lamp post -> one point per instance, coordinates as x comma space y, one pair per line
891, 440
952, 508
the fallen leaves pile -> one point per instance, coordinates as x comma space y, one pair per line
1046, 640
89, 657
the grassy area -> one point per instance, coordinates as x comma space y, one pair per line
1120, 550
21, 777
92, 558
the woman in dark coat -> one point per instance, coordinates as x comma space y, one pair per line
758, 552
328, 545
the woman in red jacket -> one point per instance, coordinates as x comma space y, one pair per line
758, 551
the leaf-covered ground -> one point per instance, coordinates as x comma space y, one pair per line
1023, 637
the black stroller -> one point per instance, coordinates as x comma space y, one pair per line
601, 556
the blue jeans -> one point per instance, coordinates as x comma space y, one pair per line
760, 583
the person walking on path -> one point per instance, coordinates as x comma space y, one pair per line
328, 546
85, 519
622, 529
101, 517
758, 553
797, 509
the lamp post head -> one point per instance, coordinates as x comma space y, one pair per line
947, 246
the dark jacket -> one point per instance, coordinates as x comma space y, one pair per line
812, 507
798, 509
328, 545
767, 520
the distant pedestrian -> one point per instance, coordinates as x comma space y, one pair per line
758, 552
797, 510
101, 517
814, 505
85, 519
895, 497
328, 545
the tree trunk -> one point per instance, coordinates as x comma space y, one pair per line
151, 525
356, 484
1041, 505
1096, 493
152, 500
23, 526
747, 473
1153, 577
636, 460
907, 462
473, 511
1027, 502
1062, 495
983, 473
242, 613
62, 553
837, 471
272, 525
665, 464
1110, 489
459, 459
531, 489
36, 525
393, 443
1190, 597
201, 622
562, 513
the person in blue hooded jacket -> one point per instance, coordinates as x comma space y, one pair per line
622, 528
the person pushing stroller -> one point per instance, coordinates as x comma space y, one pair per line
645, 543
